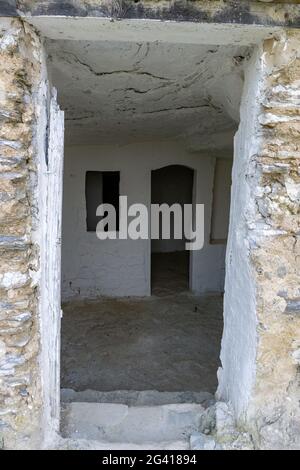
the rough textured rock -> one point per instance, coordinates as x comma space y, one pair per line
19, 327
260, 374
200, 441
208, 421
276, 257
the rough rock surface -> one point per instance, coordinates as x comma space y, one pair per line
200, 441
260, 374
19, 329
276, 256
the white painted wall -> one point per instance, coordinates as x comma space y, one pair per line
239, 341
91, 267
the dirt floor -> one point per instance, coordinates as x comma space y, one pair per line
169, 273
169, 343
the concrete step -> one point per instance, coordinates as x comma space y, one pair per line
137, 398
85, 444
116, 423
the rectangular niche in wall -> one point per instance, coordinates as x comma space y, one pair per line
101, 187
221, 201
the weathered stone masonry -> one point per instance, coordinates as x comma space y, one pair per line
20, 387
260, 348
276, 256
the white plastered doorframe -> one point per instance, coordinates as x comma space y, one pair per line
52, 190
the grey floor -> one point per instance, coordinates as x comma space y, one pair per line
167, 342
169, 273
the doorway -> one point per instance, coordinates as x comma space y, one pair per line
170, 262
121, 345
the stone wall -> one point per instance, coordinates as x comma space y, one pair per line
261, 342
20, 384
276, 256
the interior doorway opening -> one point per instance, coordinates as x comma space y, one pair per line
170, 261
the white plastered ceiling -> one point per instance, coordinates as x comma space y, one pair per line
125, 91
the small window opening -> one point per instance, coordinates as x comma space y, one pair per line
101, 187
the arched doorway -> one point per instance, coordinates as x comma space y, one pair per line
171, 185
